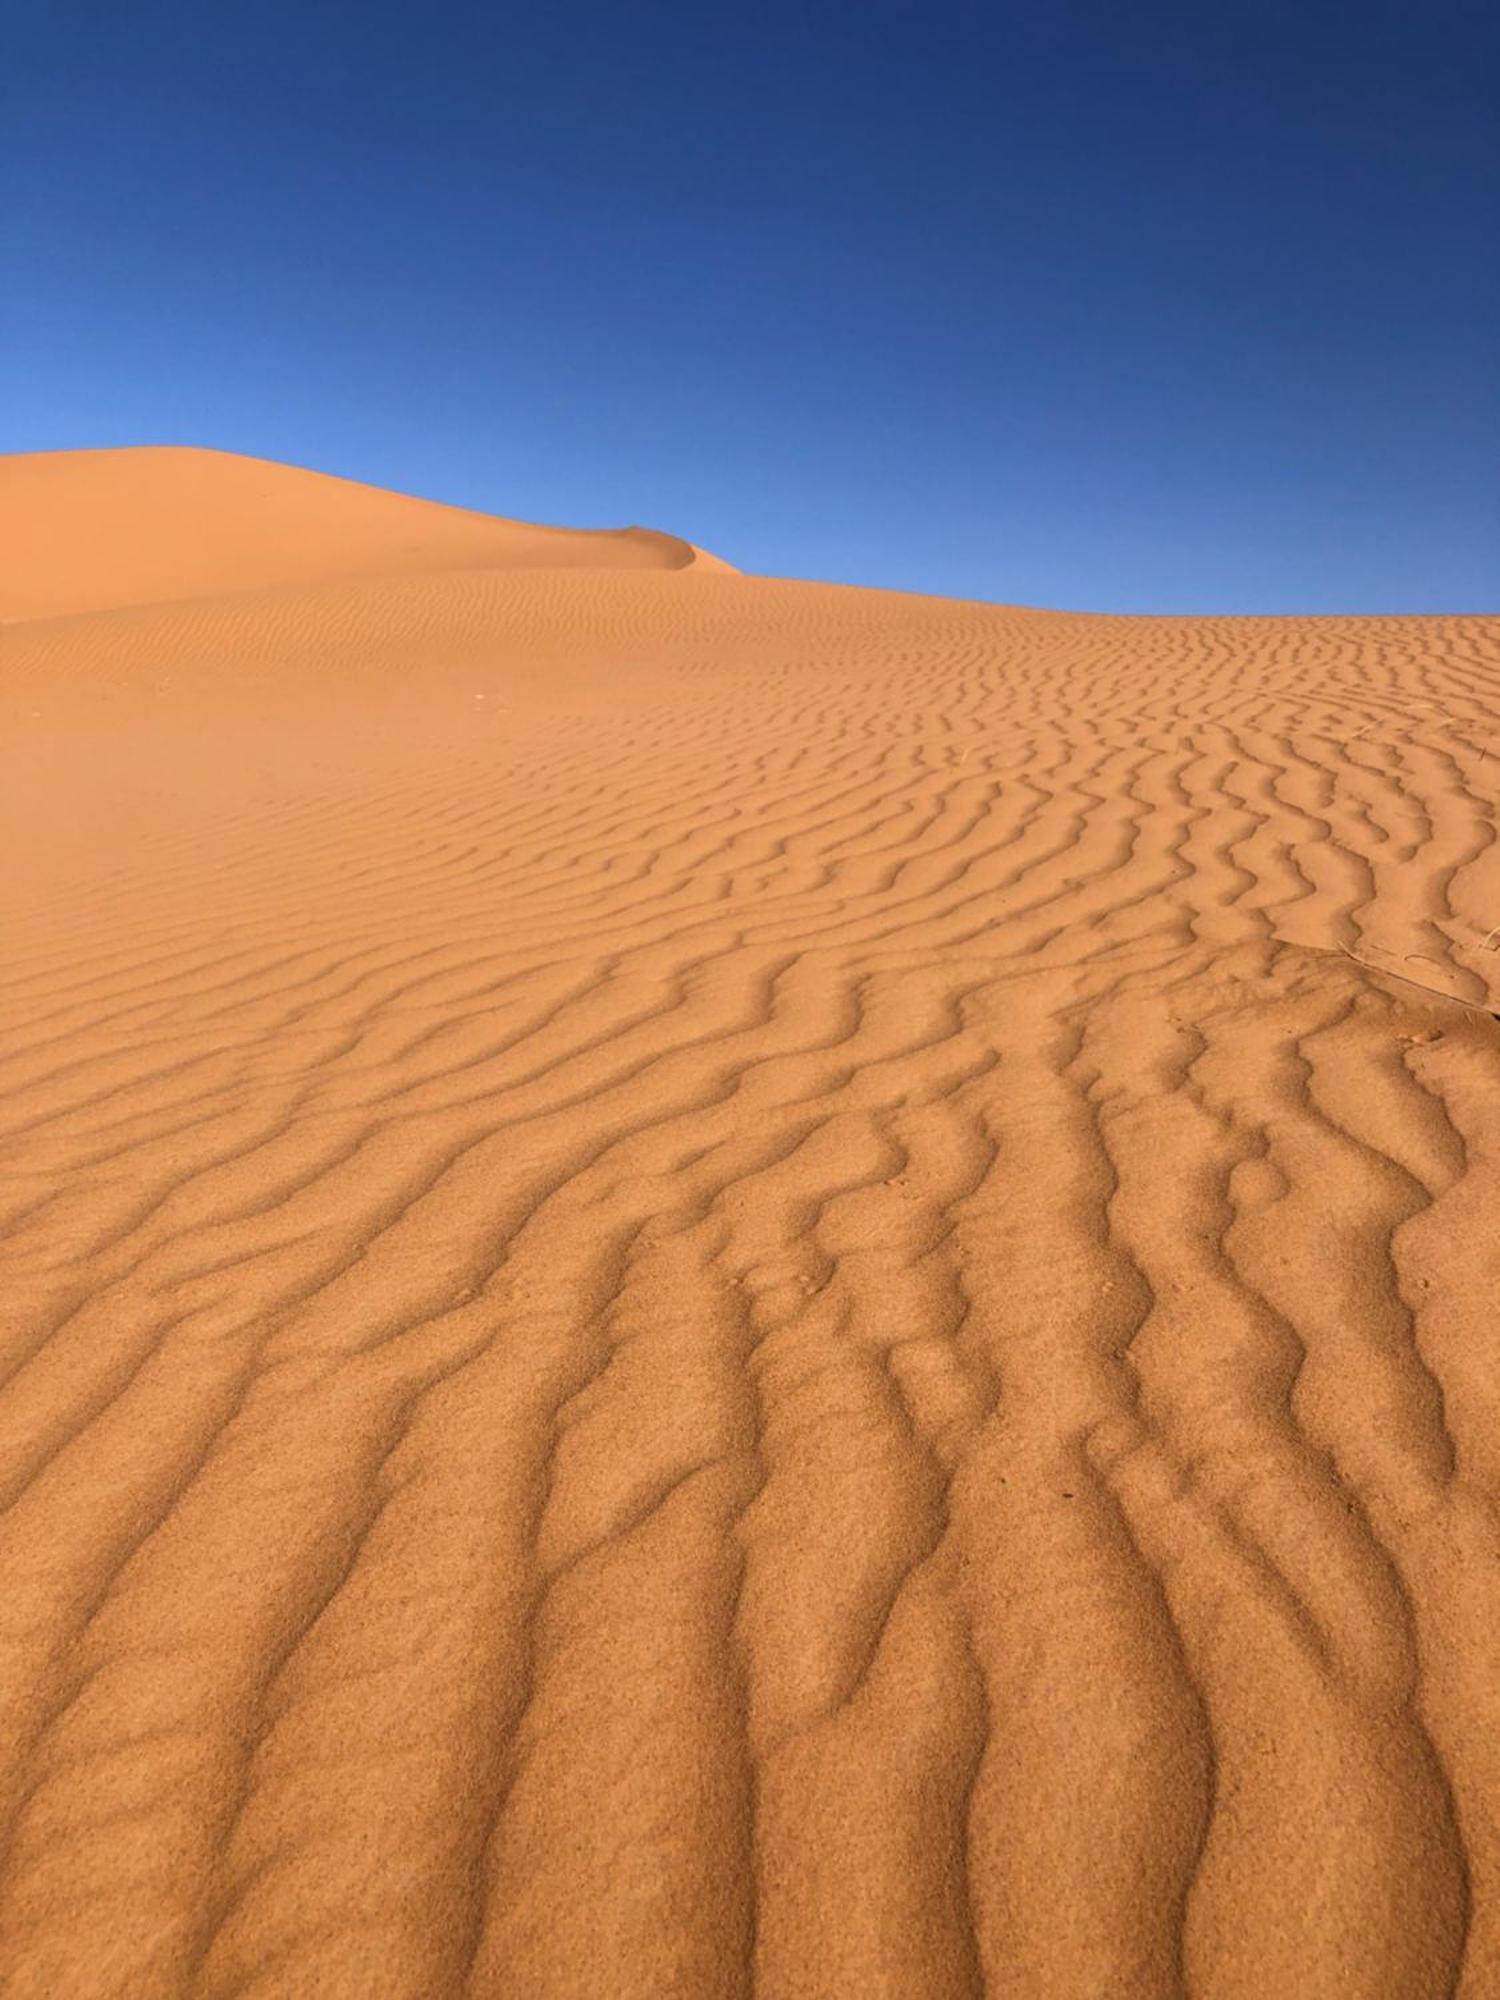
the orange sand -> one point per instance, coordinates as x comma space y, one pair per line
716, 1286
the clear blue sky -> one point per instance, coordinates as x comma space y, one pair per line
1184, 307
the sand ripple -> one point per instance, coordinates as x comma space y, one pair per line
716, 1286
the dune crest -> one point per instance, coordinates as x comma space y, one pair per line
90, 530
716, 1287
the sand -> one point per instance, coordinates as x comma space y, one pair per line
720, 1286
91, 530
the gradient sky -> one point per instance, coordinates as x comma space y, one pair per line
1165, 308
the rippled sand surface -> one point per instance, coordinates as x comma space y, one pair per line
715, 1286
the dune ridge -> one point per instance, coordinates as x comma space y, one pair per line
91, 530
723, 1287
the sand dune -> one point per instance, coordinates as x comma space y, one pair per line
716, 1286
88, 530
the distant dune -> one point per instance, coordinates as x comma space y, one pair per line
88, 530
716, 1286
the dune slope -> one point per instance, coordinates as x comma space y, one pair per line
722, 1287
87, 530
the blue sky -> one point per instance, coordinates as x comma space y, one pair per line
1173, 308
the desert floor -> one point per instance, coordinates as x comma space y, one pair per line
715, 1286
